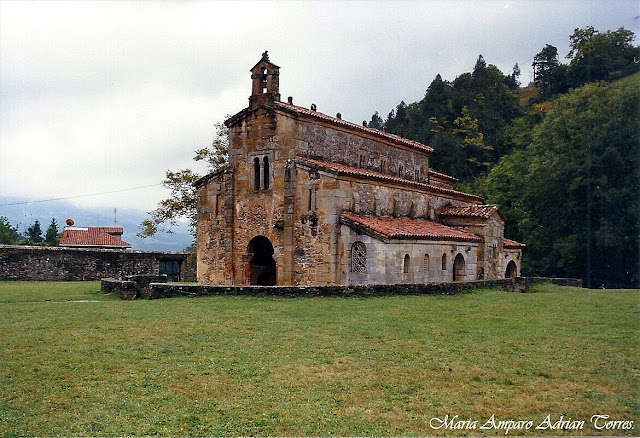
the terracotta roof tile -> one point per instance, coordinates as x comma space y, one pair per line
481, 211
340, 122
92, 236
512, 244
342, 169
403, 228
443, 176
110, 230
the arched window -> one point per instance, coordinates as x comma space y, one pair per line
405, 266
256, 172
444, 262
358, 257
266, 173
426, 263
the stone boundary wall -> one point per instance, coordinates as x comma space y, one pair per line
168, 290
132, 287
38, 263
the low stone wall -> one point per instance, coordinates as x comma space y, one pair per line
167, 290
145, 289
132, 287
192, 290
37, 263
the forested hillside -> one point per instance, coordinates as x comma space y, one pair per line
560, 156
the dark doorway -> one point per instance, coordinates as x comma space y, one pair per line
171, 268
512, 270
262, 267
458, 268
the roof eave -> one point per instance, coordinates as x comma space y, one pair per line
304, 162
208, 177
391, 138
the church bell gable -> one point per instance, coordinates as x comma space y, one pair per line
265, 82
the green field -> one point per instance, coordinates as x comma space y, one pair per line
74, 362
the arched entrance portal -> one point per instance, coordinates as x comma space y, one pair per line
512, 270
262, 266
458, 268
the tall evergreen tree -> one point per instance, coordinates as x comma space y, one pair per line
548, 73
376, 121
51, 236
8, 234
34, 232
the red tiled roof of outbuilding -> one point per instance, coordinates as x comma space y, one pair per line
407, 228
93, 236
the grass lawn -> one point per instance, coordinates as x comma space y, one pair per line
74, 362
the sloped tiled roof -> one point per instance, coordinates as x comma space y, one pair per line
385, 227
480, 211
512, 244
336, 121
93, 236
341, 169
443, 176
110, 230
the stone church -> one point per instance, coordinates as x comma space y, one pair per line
308, 198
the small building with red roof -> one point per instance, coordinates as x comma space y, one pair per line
93, 237
312, 199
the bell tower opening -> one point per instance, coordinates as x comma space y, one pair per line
265, 87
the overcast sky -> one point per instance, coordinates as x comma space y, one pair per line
104, 96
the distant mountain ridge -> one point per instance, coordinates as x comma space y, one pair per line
23, 212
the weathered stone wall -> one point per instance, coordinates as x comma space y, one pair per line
330, 143
166, 290
256, 210
493, 257
323, 246
385, 261
303, 225
297, 207
212, 239
132, 287
35, 263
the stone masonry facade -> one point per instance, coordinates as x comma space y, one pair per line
36, 263
310, 199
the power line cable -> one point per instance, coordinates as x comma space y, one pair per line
81, 196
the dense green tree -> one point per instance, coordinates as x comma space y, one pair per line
34, 232
397, 119
599, 56
376, 121
8, 234
473, 150
574, 192
182, 202
548, 73
512, 79
489, 98
51, 237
